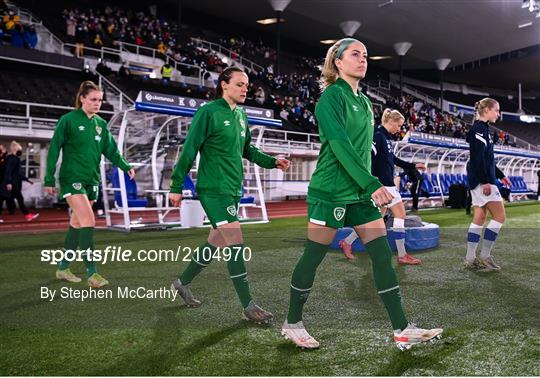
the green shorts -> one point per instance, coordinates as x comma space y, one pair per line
337, 215
220, 210
90, 190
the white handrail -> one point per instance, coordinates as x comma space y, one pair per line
221, 49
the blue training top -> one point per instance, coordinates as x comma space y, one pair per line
481, 167
383, 158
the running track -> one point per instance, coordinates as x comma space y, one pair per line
57, 219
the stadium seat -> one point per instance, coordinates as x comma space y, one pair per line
189, 186
131, 191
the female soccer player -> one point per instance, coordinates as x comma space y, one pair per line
482, 174
12, 181
382, 167
220, 132
342, 192
83, 137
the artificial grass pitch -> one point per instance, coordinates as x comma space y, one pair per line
491, 319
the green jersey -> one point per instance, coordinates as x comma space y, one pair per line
222, 136
82, 140
346, 124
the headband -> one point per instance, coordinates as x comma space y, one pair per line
344, 44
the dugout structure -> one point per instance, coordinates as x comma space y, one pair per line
446, 159
150, 135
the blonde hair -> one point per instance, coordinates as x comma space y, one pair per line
85, 88
15, 146
391, 115
329, 70
484, 104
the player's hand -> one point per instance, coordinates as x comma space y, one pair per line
175, 199
382, 196
486, 189
420, 166
50, 190
131, 174
9, 187
506, 182
283, 164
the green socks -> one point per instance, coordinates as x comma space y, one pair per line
386, 281
198, 262
238, 274
71, 242
86, 242
303, 277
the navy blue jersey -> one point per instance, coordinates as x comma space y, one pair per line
481, 167
383, 158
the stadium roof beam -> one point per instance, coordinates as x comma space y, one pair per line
441, 66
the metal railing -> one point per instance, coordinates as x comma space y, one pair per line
28, 121
124, 101
229, 53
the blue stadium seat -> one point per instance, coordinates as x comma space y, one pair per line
189, 186
131, 191
246, 200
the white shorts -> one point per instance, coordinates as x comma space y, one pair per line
395, 193
480, 200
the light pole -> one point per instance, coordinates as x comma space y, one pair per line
401, 48
441, 66
278, 6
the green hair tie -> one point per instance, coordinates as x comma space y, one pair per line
344, 44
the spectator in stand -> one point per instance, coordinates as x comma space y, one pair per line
80, 39
260, 96
71, 27
98, 43
30, 37
17, 36
10, 20
166, 73
123, 72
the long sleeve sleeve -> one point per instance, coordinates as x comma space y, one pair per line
403, 164
332, 125
499, 174
197, 134
54, 152
111, 152
255, 155
478, 149
11, 167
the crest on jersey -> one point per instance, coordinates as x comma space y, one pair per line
98, 130
339, 213
242, 123
76, 185
231, 210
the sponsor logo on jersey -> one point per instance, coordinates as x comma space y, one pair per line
355, 108
226, 123
76, 185
339, 213
81, 128
231, 210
